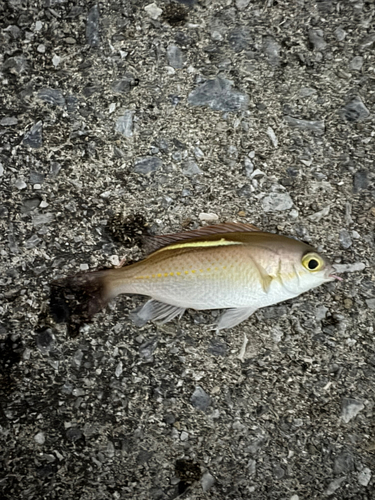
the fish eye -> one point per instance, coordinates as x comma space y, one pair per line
312, 262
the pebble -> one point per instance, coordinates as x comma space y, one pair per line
16, 65
124, 124
84, 267
219, 96
239, 39
316, 126
271, 49
350, 409
272, 136
56, 60
242, 4
119, 369
217, 348
32, 242
356, 63
184, 436
360, 181
340, 34
345, 239
207, 481
8, 121
174, 56
316, 38
334, 485
277, 202
125, 84
41, 48
319, 215
73, 434
20, 184
52, 96
370, 303
40, 438
307, 92
33, 138
364, 476
146, 165
153, 11
92, 27
355, 111
200, 399
207, 216
349, 268
45, 340
190, 168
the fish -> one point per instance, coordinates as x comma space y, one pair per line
232, 266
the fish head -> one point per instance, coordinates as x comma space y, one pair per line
301, 268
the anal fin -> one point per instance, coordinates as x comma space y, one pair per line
157, 311
233, 317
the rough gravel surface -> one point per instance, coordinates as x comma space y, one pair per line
124, 118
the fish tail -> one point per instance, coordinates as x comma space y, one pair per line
76, 299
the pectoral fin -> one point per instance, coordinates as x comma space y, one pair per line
233, 317
154, 310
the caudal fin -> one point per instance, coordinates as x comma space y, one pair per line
75, 300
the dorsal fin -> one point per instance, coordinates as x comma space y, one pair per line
153, 243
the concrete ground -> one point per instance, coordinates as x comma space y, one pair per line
129, 117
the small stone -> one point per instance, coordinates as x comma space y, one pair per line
208, 216
16, 65
360, 181
153, 11
1, 170
40, 438
271, 49
239, 39
8, 121
343, 463
350, 409
38, 25
45, 340
124, 124
84, 267
147, 349
340, 34
349, 268
367, 41
272, 136
316, 126
184, 436
190, 168
20, 184
334, 485
316, 38
41, 48
52, 96
33, 138
40, 219
319, 215
356, 63
119, 369
219, 96
174, 56
92, 27
73, 434
307, 92
125, 84
36, 177
217, 348
32, 242
345, 239
277, 202
370, 303
355, 111
56, 60
242, 4
146, 165
364, 476
207, 481
200, 399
